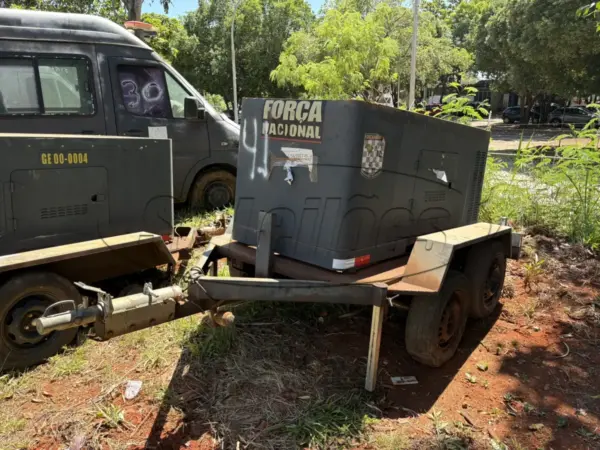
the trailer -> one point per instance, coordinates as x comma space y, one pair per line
447, 277
337, 202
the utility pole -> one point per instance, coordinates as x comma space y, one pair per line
413, 56
235, 106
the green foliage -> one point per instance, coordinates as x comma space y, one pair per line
362, 50
217, 101
261, 28
342, 57
534, 45
552, 189
170, 35
457, 106
331, 423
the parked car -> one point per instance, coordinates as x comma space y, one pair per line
511, 114
571, 115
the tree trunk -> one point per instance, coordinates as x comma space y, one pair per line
134, 9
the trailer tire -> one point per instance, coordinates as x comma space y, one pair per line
486, 270
436, 323
213, 190
23, 298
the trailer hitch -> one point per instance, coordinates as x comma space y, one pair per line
113, 316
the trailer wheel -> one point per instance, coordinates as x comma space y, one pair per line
436, 323
486, 269
24, 298
213, 190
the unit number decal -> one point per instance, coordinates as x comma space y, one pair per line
63, 158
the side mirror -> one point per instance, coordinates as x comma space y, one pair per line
193, 109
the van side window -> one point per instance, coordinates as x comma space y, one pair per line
18, 94
65, 86
144, 92
45, 86
177, 95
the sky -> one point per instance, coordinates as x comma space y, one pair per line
180, 7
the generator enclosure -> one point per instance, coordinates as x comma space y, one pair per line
64, 189
352, 183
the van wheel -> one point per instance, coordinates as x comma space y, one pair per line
23, 299
436, 323
213, 190
486, 269
555, 122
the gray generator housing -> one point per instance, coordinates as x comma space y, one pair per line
352, 183
64, 189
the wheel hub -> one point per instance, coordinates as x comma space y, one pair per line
450, 322
218, 195
19, 327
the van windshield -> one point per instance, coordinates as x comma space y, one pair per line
209, 108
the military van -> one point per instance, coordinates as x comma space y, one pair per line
78, 74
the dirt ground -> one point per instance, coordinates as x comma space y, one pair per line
291, 377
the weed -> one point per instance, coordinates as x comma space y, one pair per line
470, 378
211, 342
332, 422
551, 189
508, 397
514, 343
533, 271
513, 444
587, 434
485, 384
483, 366
392, 440
153, 357
562, 422
8, 426
13, 384
528, 407
71, 362
439, 426
112, 416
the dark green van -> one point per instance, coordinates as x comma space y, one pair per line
78, 74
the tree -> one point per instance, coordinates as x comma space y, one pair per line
170, 35
538, 47
344, 56
359, 53
261, 28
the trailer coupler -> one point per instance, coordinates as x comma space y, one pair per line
113, 316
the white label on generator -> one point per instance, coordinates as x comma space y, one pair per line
158, 133
341, 264
299, 156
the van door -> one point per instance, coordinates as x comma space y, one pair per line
149, 102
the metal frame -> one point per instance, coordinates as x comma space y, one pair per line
422, 274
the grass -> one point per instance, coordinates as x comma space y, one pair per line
11, 425
551, 190
188, 218
71, 362
111, 415
392, 440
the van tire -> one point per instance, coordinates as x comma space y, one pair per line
213, 190
23, 298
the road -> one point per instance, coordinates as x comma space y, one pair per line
508, 137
